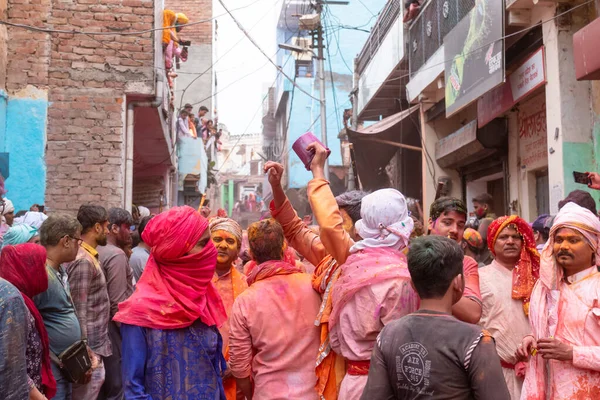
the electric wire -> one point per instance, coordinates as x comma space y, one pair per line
241, 27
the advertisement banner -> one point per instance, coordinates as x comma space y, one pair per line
474, 54
526, 79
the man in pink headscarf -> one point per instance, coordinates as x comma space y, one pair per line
171, 347
565, 312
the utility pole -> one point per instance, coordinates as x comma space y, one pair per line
322, 82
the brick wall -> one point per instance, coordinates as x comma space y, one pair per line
195, 10
86, 78
146, 192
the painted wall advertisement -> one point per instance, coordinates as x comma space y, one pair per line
474, 54
533, 136
528, 77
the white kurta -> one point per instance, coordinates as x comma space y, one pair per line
504, 318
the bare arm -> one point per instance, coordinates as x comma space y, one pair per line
468, 309
300, 237
245, 385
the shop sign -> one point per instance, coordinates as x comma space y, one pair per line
457, 146
474, 54
533, 134
527, 78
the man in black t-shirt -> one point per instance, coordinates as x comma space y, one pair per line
430, 354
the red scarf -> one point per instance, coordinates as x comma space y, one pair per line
176, 288
24, 266
272, 268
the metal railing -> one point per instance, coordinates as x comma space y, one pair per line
426, 34
386, 19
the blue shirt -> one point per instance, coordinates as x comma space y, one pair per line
13, 343
182, 364
57, 311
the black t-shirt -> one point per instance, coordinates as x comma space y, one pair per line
431, 355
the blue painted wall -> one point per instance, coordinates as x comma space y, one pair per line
343, 45
23, 135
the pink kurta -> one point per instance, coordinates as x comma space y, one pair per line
364, 315
578, 315
504, 318
273, 337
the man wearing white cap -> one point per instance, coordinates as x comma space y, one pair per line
374, 277
565, 312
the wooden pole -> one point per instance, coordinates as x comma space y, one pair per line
401, 145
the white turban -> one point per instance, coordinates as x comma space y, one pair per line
144, 212
573, 217
31, 218
385, 221
8, 207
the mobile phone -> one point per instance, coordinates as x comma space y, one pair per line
581, 177
41, 208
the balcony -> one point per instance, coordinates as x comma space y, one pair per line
389, 15
381, 67
427, 32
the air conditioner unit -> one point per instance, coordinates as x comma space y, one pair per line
305, 43
310, 22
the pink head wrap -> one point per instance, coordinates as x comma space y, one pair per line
573, 217
175, 289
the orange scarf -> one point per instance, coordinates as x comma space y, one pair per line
238, 283
331, 367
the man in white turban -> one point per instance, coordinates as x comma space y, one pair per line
374, 277
32, 218
564, 348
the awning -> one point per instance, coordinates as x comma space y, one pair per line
375, 146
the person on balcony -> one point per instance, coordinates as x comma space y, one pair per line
413, 8
172, 24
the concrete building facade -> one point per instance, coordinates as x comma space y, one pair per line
195, 85
520, 140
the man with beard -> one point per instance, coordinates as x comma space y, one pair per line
447, 217
506, 286
119, 284
564, 310
226, 234
90, 296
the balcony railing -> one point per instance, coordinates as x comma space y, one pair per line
388, 16
427, 32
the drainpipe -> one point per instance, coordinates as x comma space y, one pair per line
155, 103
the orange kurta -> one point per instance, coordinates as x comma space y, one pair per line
229, 286
327, 251
169, 18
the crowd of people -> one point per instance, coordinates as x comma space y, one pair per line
119, 305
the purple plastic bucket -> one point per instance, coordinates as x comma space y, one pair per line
300, 146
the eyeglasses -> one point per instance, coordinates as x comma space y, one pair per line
79, 240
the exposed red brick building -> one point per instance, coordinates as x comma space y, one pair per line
76, 88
